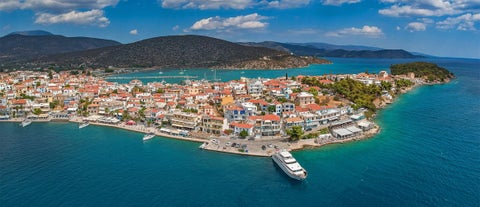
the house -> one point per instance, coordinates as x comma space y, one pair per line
268, 125
293, 121
304, 98
288, 107
93, 109
183, 120
213, 125
235, 113
239, 127
311, 120
255, 88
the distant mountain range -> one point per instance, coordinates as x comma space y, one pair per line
22, 46
188, 51
37, 49
329, 50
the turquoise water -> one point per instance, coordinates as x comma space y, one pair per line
427, 154
340, 65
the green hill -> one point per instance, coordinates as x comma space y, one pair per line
429, 71
187, 51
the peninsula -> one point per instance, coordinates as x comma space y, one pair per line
246, 116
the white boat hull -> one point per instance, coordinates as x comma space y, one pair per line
83, 126
25, 123
147, 137
287, 171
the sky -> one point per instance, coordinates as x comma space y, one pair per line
446, 28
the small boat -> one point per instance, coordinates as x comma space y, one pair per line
148, 136
26, 122
289, 165
203, 145
83, 125
160, 72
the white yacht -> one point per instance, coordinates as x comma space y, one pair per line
26, 122
83, 125
148, 136
289, 165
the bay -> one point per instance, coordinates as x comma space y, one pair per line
427, 154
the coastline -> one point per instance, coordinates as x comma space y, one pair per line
249, 147
134, 70
219, 144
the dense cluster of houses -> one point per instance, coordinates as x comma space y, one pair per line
261, 107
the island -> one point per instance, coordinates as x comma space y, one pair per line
257, 116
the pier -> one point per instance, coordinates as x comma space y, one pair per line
152, 77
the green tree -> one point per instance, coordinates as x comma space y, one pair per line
53, 104
125, 115
282, 99
295, 133
385, 85
296, 90
271, 108
243, 134
313, 91
37, 111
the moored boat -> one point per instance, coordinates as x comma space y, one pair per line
203, 145
289, 165
148, 136
26, 122
83, 125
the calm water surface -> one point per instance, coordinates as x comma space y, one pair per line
427, 154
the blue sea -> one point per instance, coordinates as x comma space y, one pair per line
427, 154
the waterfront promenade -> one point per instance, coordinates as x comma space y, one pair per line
262, 147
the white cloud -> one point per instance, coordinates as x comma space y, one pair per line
416, 26
429, 7
426, 20
206, 4
251, 21
133, 32
367, 31
340, 2
307, 31
232, 4
87, 12
9, 5
463, 22
55, 5
398, 28
284, 4
92, 17
175, 28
